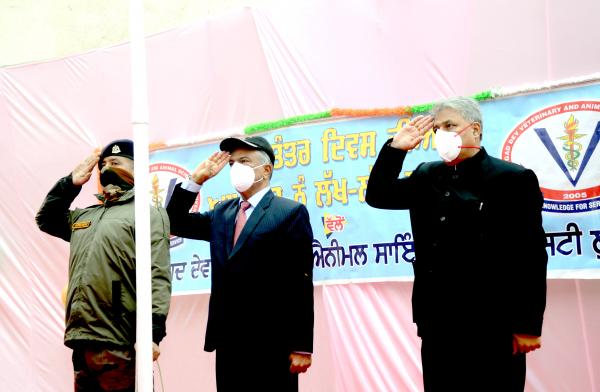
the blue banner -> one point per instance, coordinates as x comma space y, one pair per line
326, 166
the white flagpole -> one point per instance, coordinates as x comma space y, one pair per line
139, 118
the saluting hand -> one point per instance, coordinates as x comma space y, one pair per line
413, 133
210, 167
82, 172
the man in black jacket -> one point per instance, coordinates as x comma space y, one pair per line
479, 292
260, 318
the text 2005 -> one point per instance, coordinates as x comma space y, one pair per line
574, 195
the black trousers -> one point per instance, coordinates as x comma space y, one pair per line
466, 362
254, 370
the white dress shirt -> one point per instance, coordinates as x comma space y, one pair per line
191, 186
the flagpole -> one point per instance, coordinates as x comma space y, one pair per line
139, 118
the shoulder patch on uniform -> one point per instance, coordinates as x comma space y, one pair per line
81, 225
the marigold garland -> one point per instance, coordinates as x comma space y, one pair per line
400, 110
418, 109
341, 112
403, 110
157, 146
397, 111
286, 122
484, 96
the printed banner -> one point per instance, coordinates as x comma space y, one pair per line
326, 166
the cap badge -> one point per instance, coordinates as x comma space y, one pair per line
116, 149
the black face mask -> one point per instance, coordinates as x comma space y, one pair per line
116, 177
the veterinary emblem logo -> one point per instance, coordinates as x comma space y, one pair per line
560, 144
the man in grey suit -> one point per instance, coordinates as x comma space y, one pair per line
260, 318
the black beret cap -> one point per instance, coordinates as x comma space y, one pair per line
253, 142
119, 148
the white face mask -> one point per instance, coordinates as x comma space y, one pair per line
448, 145
242, 176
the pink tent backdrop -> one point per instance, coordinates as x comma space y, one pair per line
209, 80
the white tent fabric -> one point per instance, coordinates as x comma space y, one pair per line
212, 78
